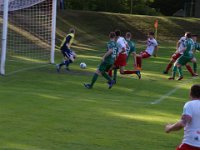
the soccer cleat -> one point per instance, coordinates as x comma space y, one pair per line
180, 78
115, 82
88, 86
165, 72
171, 78
111, 83
195, 75
138, 74
58, 68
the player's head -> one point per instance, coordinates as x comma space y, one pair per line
72, 30
151, 34
128, 35
195, 91
188, 35
118, 32
194, 37
112, 35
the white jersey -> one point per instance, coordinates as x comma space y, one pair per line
192, 129
121, 43
151, 44
181, 44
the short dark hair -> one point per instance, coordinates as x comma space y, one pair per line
151, 33
72, 30
118, 32
188, 34
112, 35
194, 35
128, 34
195, 91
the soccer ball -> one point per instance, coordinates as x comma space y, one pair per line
83, 65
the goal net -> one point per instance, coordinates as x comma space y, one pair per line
31, 34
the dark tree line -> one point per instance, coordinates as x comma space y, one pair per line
168, 7
143, 7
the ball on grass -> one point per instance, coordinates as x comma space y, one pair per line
83, 65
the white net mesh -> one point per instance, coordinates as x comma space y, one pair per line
1, 16
20, 4
29, 33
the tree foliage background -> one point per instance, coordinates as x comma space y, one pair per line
143, 7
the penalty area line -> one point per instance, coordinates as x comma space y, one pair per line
165, 96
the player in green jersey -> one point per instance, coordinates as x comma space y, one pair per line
196, 48
185, 58
131, 51
107, 62
129, 47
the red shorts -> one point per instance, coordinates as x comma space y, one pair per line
175, 56
144, 54
187, 147
121, 60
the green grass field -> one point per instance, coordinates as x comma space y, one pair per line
43, 110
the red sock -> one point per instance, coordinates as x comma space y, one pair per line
139, 61
189, 69
168, 67
110, 73
129, 72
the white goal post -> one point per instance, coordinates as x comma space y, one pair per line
28, 30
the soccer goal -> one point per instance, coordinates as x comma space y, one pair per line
27, 30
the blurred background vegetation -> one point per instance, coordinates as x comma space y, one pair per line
141, 7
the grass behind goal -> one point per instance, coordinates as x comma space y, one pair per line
29, 34
41, 109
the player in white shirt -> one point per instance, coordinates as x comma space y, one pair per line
152, 48
190, 121
120, 62
177, 54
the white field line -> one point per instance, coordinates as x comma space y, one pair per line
165, 96
26, 69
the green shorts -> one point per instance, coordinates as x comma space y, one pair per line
104, 67
183, 60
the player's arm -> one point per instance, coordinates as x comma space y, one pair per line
134, 53
134, 57
108, 53
178, 44
196, 47
185, 119
155, 51
174, 127
194, 50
